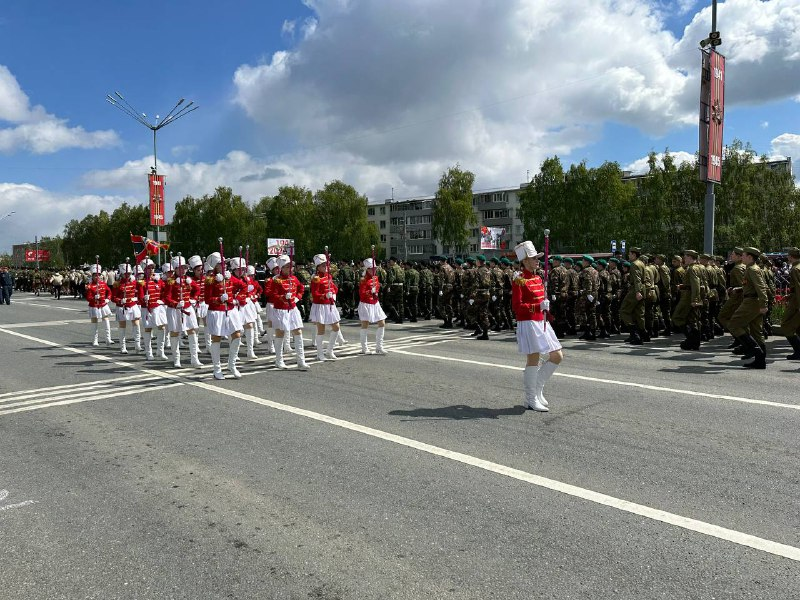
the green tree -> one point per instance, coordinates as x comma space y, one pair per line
342, 223
452, 208
290, 214
542, 203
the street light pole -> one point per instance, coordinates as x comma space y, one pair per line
178, 111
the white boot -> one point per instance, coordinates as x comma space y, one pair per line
107, 324
340, 341
364, 343
233, 352
176, 354
167, 342
148, 346
194, 350
301, 353
215, 360
249, 334
160, 335
270, 343
95, 341
530, 378
331, 344
279, 355
287, 347
207, 339
379, 349
545, 372
319, 346
123, 348
137, 336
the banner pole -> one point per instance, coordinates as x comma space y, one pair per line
546, 272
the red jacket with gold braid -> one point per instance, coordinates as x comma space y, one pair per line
125, 293
286, 284
152, 290
215, 289
527, 294
245, 293
99, 289
366, 287
320, 286
181, 292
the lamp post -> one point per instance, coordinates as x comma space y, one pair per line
179, 110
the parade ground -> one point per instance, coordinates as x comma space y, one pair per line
657, 473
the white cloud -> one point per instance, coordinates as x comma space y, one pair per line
406, 89
34, 129
764, 124
288, 28
787, 144
40, 212
641, 165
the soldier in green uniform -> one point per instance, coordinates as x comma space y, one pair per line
589, 288
467, 289
508, 282
664, 293
676, 279
412, 291
445, 297
790, 324
711, 297
304, 277
650, 298
395, 282
615, 282
572, 296
603, 298
425, 291
746, 322
480, 296
496, 314
632, 309
346, 282
687, 312
736, 273
769, 279
558, 288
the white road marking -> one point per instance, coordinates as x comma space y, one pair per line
45, 323
709, 529
644, 386
59, 388
53, 306
4, 495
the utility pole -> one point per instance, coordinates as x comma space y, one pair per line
714, 40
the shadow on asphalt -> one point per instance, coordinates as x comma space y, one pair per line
460, 412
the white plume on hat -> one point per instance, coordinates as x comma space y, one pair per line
195, 261
251, 270
526, 250
148, 262
283, 260
124, 268
213, 260
178, 261
320, 259
272, 263
237, 263
368, 263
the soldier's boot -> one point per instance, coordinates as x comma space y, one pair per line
645, 337
148, 345
364, 343
734, 344
590, 335
160, 344
718, 330
250, 336
95, 340
176, 354
795, 342
279, 364
667, 330
448, 324
332, 344
484, 334
603, 333
379, 349
759, 354
319, 345
584, 334
476, 330
215, 360
692, 341
636, 337
530, 379
233, 354
299, 349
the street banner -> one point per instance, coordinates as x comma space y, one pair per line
157, 185
278, 246
31, 255
712, 113
490, 238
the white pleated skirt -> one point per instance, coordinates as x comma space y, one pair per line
324, 314
220, 324
372, 313
156, 317
201, 310
532, 336
134, 313
286, 320
99, 313
181, 320
249, 312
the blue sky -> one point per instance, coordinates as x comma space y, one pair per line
380, 94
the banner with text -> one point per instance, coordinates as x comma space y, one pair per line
157, 185
32, 256
490, 238
278, 246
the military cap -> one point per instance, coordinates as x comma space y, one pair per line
459, 261
470, 259
794, 252
755, 252
394, 258
661, 256
587, 258
505, 261
495, 260
738, 250
626, 264
692, 253
704, 256
614, 260
676, 257
636, 250
602, 262
558, 257
568, 260
480, 257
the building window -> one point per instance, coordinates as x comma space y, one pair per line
419, 220
475, 232
383, 210
383, 238
473, 247
397, 220
500, 213
383, 224
371, 211
424, 234
416, 249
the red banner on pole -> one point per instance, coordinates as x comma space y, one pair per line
31, 255
712, 113
157, 184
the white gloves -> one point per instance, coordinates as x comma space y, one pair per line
235, 302
250, 288
218, 277
97, 297
227, 274
441, 293
329, 295
157, 276
288, 295
590, 298
553, 297
471, 301
545, 305
147, 297
462, 295
223, 297
374, 290
494, 298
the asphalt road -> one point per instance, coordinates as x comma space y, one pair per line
656, 474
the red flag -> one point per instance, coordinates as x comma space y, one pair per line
144, 247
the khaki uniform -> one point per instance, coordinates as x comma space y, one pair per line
632, 310
747, 318
790, 325
735, 280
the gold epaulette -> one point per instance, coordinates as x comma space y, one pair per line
316, 278
521, 281
170, 282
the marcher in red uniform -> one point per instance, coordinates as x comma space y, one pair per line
126, 298
98, 294
246, 305
269, 329
181, 296
200, 308
369, 308
166, 274
287, 291
223, 318
150, 297
323, 307
255, 298
534, 338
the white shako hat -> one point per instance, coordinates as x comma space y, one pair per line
124, 268
237, 263
166, 267
195, 261
139, 270
272, 263
178, 261
147, 263
527, 250
368, 263
212, 260
251, 270
320, 259
283, 260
